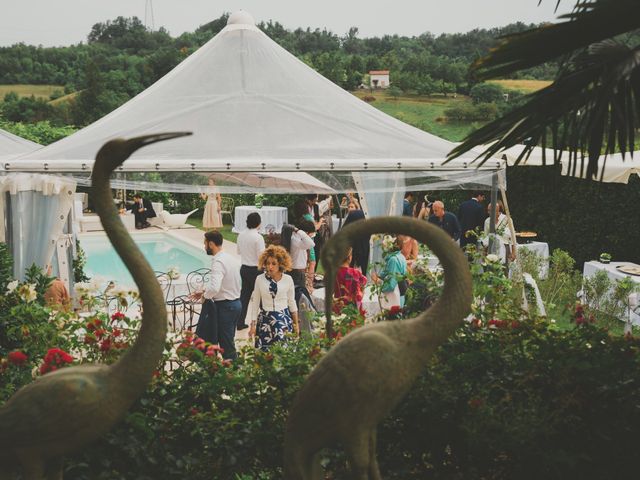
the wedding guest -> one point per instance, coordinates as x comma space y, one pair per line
409, 248
142, 210
301, 247
57, 295
211, 218
223, 288
273, 312
349, 285
445, 220
471, 215
350, 197
250, 245
407, 205
393, 277
362, 244
505, 249
422, 209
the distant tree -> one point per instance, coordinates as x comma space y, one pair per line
487, 93
25, 109
394, 92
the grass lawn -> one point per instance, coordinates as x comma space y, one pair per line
525, 86
227, 234
426, 113
38, 91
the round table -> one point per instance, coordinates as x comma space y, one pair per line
272, 218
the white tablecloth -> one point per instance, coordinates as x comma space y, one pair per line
370, 301
272, 218
542, 250
590, 269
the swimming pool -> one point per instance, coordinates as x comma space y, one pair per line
163, 252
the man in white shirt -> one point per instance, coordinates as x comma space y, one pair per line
301, 242
250, 245
224, 289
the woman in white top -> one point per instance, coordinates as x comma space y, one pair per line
273, 312
211, 217
503, 237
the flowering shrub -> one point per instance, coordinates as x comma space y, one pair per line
55, 359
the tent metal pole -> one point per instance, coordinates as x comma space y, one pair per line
492, 214
512, 229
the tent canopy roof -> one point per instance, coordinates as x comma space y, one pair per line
11, 145
617, 169
251, 105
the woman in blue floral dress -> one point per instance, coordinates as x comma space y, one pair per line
272, 312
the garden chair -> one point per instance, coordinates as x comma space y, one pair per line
226, 206
197, 279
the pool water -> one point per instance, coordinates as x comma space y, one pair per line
161, 251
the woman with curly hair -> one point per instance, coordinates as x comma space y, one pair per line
273, 312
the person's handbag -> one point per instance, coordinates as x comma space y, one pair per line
390, 299
403, 286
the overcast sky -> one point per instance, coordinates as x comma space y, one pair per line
65, 22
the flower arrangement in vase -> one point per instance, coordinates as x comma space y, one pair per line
605, 257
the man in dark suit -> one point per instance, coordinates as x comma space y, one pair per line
445, 220
407, 205
471, 216
142, 210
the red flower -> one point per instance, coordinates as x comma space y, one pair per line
56, 355
105, 345
194, 411
17, 357
116, 332
117, 316
495, 323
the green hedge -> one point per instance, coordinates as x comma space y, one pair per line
582, 217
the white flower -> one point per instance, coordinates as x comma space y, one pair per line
119, 292
588, 345
11, 286
493, 258
27, 292
83, 289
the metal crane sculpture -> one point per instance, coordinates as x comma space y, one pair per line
365, 375
61, 412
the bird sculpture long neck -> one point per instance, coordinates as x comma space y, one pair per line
435, 325
136, 367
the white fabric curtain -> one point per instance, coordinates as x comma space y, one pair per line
35, 211
380, 195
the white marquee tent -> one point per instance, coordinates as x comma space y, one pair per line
617, 169
254, 107
11, 145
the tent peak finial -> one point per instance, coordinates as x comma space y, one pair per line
241, 17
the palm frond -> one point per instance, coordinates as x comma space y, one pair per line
590, 21
593, 105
